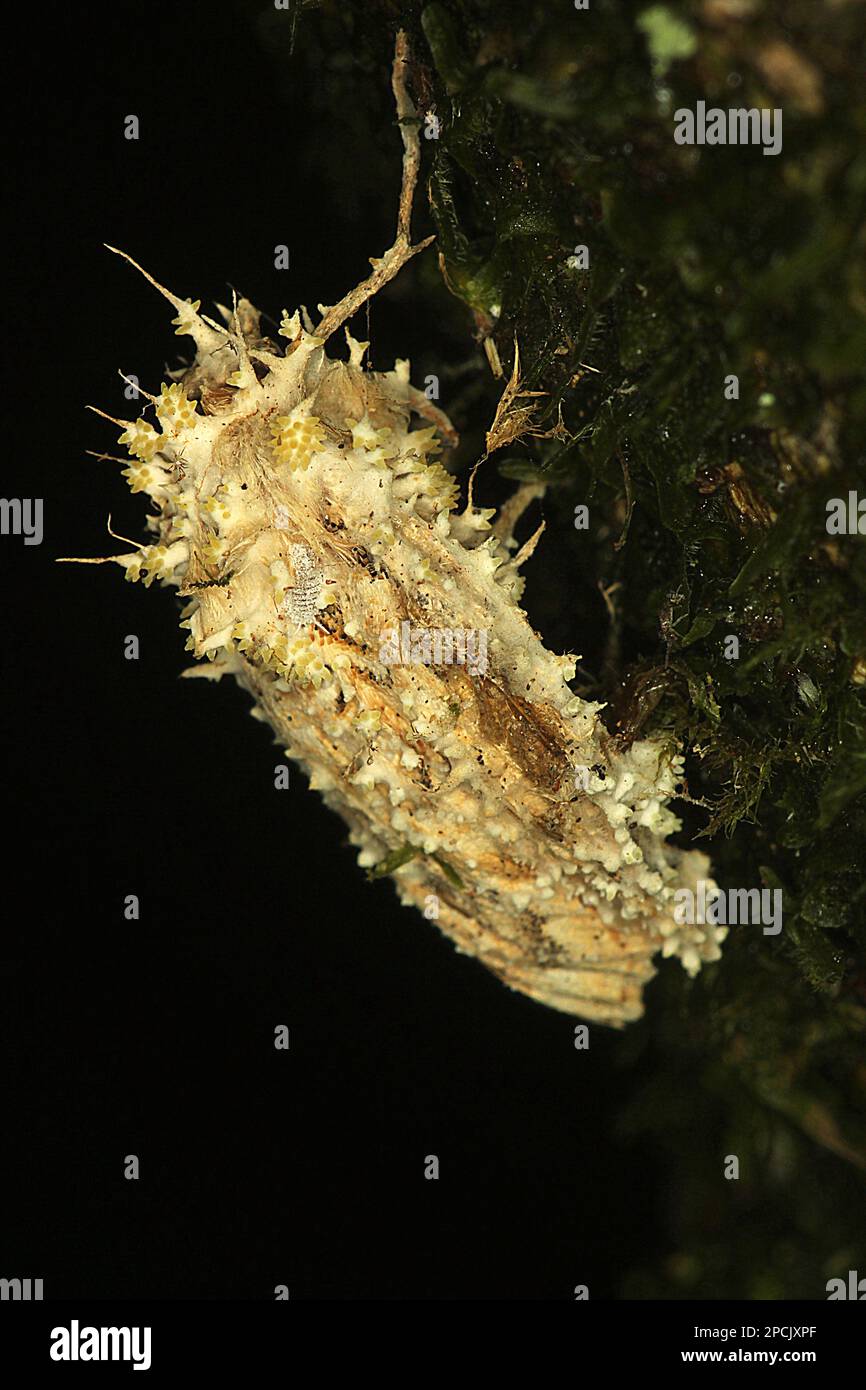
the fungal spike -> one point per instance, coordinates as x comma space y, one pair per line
92, 559
124, 424
130, 381
206, 335
526, 550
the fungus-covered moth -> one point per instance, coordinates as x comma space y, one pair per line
303, 514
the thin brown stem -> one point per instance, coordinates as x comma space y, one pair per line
395, 258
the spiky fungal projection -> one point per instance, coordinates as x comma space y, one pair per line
316, 541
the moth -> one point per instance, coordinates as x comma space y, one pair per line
462, 785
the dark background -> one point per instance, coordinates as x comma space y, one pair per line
155, 1037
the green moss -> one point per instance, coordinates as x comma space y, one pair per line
394, 861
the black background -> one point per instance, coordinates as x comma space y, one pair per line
155, 1037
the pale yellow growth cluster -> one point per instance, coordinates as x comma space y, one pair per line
155, 562
187, 316
143, 477
306, 660
297, 438
379, 446
142, 440
174, 410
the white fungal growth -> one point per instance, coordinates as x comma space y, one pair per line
302, 513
